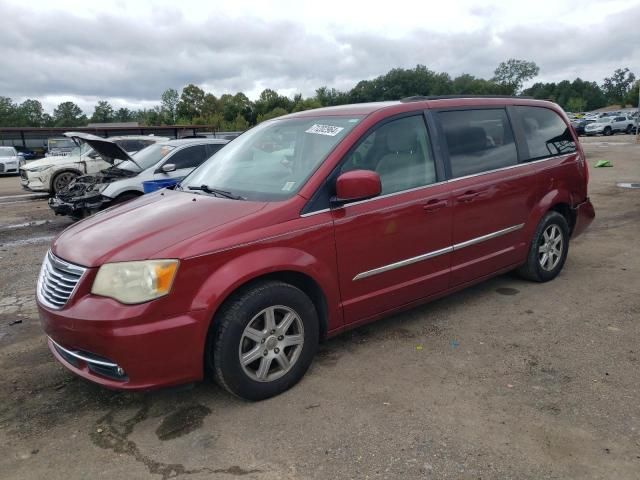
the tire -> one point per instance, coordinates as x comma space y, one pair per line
539, 268
243, 328
61, 180
607, 131
629, 129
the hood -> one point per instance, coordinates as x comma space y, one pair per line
51, 161
142, 227
107, 149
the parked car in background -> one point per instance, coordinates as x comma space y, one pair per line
609, 125
308, 225
59, 146
123, 180
9, 159
53, 173
27, 153
580, 124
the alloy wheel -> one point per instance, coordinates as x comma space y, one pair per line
550, 247
271, 343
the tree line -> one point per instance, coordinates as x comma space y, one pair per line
237, 112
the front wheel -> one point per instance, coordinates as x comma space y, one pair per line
607, 131
62, 180
263, 340
548, 250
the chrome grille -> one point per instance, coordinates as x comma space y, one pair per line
57, 281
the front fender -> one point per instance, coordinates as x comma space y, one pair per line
252, 265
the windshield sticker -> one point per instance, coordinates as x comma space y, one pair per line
288, 186
329, 130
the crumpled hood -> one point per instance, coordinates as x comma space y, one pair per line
142, 227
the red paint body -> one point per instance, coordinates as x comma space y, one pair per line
223, 244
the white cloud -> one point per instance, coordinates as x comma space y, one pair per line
129, 52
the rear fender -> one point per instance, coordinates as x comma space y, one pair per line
546, 203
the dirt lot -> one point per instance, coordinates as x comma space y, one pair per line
508, 379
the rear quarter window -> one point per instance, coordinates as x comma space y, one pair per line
545, 132
478, 140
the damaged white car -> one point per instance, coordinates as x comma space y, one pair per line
123, 179
53, 173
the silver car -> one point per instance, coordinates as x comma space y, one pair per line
123, 180
9, 159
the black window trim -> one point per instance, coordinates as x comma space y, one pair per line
318, 204
522, 137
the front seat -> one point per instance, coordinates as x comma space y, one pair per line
403, 167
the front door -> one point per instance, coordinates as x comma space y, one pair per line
395, 248
185, 160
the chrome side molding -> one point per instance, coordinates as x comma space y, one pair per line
437, 253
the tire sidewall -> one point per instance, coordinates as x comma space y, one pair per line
54, 180
551, 218
229, 330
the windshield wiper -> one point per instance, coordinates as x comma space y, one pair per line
217, 192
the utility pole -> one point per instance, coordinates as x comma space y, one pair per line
638, 117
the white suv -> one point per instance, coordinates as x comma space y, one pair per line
52, 174
609, 125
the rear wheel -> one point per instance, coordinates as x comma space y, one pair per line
548, 249
263, 341
62, 180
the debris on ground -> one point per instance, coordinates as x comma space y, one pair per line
603, 163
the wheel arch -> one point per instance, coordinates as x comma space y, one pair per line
555, 200
290, 265
57, 173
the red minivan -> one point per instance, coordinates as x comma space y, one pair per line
308, 225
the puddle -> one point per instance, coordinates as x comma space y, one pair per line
182, 421
628, 185
25, 224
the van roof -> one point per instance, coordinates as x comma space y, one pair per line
410, 103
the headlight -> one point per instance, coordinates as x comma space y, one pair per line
135, 282
38, 169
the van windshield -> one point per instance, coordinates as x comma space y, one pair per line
273, 160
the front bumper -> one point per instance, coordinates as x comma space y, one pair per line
79, 207
126, 347
32, 182
8, 167
584, 213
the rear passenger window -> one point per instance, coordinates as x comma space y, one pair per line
478, 140
545, 132
400, 152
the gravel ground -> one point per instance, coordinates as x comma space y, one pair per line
508, 379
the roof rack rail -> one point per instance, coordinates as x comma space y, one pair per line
419, 98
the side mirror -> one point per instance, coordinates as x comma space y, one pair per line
357, 185
168, 167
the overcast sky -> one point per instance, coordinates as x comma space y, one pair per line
129, 52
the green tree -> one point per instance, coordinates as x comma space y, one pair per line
8, 112
68, 114
190, 104
170, 99
618, 85
575, 104
513, 73
631, 98
103, 112
124, 115
276, 112
29, 114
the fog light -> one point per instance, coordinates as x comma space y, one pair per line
120, 371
